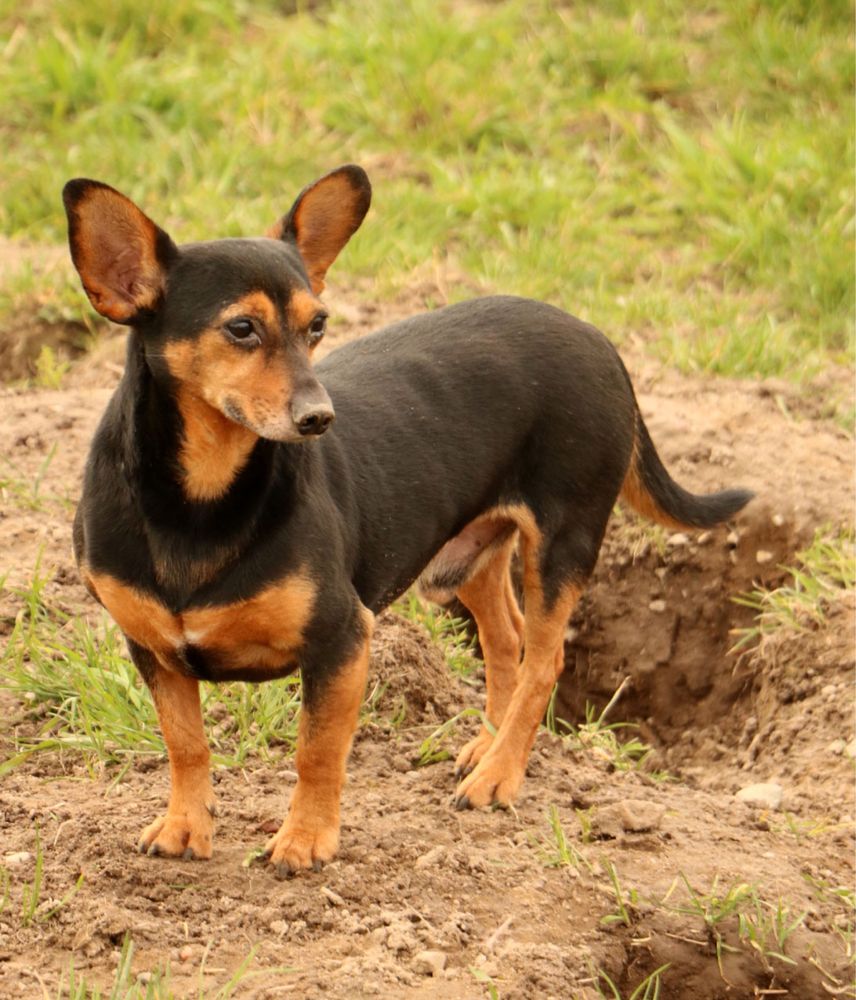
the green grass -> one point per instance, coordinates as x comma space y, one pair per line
825, 570
669, 172
83, 695
126, 985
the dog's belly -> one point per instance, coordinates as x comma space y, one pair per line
254, 639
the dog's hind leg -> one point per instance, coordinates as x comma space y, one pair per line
551, 588
489, 596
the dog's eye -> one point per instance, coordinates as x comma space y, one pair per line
316, 329
243, 332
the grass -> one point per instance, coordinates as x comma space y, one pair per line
82, 694
609, 741
739, 908
678, 175
155, 985
826, 568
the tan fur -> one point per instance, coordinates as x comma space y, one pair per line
303, 307
222, 375
213, 449
188, 825
263, 631
103, 211
310, 832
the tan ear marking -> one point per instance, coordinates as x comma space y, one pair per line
324, 217
119, 253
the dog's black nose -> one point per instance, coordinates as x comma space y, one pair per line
315, 421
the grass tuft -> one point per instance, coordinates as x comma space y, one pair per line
825, 570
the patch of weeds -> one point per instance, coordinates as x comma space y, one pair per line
50, 368
647, 989
34, 908
79, 688
390, 718
604, 740
480, 976
557, 850
450, 634
825, 569
764, 927
23, 491
625, 902
432, 749
155, 984
637, 535
809, 828
843, 901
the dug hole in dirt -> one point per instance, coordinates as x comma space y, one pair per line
602, 870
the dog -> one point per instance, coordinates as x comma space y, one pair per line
245, 514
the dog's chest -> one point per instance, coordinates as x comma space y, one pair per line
260, 635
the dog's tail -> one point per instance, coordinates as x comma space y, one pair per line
650, 490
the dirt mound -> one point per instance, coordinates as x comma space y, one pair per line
408, 677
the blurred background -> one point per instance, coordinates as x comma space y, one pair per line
679, 174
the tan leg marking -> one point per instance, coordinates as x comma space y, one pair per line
187, 828
490, 598
499, 774
310, 834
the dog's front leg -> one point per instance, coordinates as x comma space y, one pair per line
331, 704
187, 829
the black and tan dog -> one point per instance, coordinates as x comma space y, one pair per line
234, 531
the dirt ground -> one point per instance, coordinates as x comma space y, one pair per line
426, 902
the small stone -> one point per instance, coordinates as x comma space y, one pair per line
431, 858
850, 749
764, 795
828, 690
401, 764
639, 816
429, 963
278, 927
837, 747
704, 537
762, 556
677, 540
778, 520
185, 953
333, 898
658, 606
732, 539
17, 858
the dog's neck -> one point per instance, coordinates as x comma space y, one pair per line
193, 536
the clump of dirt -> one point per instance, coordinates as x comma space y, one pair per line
408, 676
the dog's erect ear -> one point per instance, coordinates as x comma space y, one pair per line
324, 217
120, 254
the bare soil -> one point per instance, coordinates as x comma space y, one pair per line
481, 889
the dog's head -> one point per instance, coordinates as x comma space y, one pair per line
232, 322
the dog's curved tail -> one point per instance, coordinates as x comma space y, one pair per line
651, 491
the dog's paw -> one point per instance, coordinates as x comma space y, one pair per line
493, 782
472, 753
293, 849
187, 835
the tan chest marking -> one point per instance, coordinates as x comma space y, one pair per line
213, 450
139, 616
263, 631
